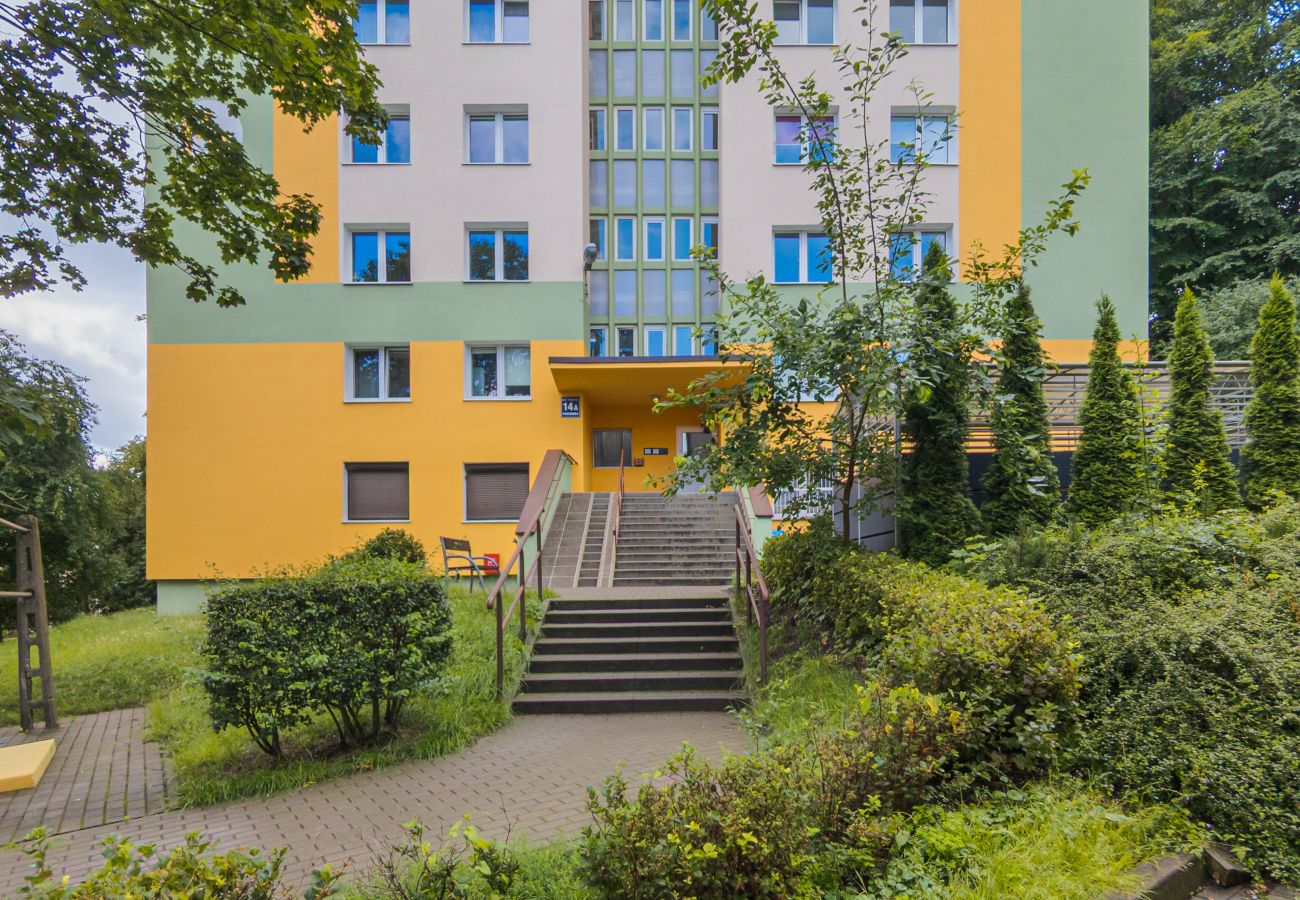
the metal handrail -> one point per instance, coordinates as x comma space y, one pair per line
618, 499
754, 586
532, 522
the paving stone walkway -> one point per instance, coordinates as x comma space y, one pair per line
529, 780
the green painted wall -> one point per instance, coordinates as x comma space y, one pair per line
177, 598
1085, 77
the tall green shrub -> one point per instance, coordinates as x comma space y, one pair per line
1197, 460
1271, 457
1022, 484
1106, 477
935, 511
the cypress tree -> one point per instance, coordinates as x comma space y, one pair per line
1105, 477
935, 512
1021, 484
1197, 459
1271, 457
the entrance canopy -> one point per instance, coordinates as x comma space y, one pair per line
630, 381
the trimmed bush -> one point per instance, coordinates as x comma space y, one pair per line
1270, 461
352, 639
392, 543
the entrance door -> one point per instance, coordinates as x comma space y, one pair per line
692, 441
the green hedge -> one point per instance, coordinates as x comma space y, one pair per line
353, 638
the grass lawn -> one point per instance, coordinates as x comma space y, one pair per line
109, 662
214, 768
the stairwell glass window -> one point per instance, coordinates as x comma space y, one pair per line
653, 128
684, 340
799, 139
626, 338
625, 128
496, 138
597, 340
625, 239
931, 136
383, 22
682, 239
624, 20
596, 20
801, 257
596, 235
497, 21
908, 250
920, 21
596, 129
498, 254
804, 21
654, 20
380, 256
656, 341
395, 146
682, 11
379, 373
709, 129
654, 240
682, 137
376, 492
611, 446
501, 372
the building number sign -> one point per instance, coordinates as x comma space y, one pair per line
570, 407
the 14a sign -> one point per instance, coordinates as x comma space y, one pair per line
570, 407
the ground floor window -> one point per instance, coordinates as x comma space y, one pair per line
495, 492
379, 373
377, 492
612, 445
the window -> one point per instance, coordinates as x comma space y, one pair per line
596, 74
907, 251
710, 296
654, 240
597, 188
624, 21
598, 293
498, 372
931, 135
708, 27
920, 21
652, 183
682, 76
497, 138
709, 129
682, 138
612, 446
684, 340
625, 293
396, 145
683, 171
709, 233
801, 257
682, 239
804, 21
499, 254
498, 21
597, 237
709, 182
682, 19
652, 73
624, 73
596, 20
625, 239
653, 129
654, 20
626, 340
379, 373
709, 342
596, 129
596, 340
706, 59
495, 492
625, 182
625, 128
366, 264
383, 22
656, 341
376, 492
799, 139
683, 293
654, 284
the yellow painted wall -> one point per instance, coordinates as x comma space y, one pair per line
307, 162
1071, 351
247, 444
648, 430
989, 141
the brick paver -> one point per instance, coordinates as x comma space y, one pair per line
528, 779
102, 772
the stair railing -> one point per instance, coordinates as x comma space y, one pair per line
532, 524
753, 585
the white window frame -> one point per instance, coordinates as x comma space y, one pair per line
604, 20
500, 396
499, 255
349, 372
645, 22
395, 111
617, 257
604, 330
618, 19
382, 232
803, 253
597, 119
646, 113
918, 255
618, 331
646, 331
690, 241
918, 12
706, 221
689, 129
618, 129
664, 239
499, 30
671, 8
694, 340
601, 238
805, 147
381, 26
716, 113
499, 116
803, 27
918, 139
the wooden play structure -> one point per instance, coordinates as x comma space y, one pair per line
22, 765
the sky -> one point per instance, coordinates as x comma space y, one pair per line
95, 333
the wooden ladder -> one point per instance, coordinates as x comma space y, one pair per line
33, 625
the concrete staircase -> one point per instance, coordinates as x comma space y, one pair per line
685, 540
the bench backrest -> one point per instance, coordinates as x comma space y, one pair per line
455, 545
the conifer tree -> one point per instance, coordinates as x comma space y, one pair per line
1022, 484
1197, 460
1271, 457
1105, 477
935, 512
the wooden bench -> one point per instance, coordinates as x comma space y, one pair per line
458, 561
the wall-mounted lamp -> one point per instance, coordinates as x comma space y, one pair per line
589, 253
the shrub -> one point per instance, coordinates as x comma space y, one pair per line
792, 561
392, 543
353, 639
1270, 461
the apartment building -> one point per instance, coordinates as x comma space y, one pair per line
449, 333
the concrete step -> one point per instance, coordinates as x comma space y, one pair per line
545, 646
634, 662
640, 629
623, 682
636, 616
568, 604
620, 702
672, 581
